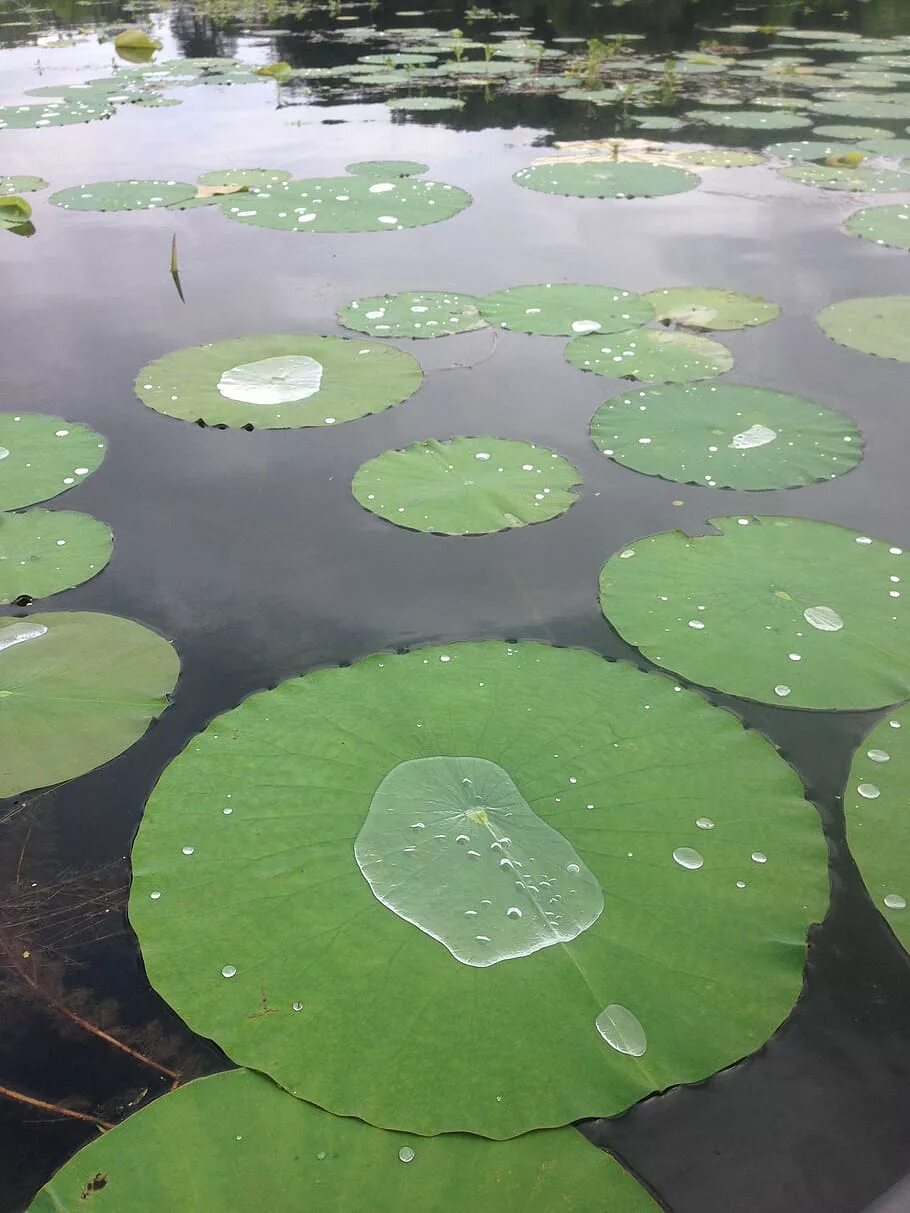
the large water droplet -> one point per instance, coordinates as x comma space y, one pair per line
704, 823
869, 791
878, 755
894, 901
406, 1154
19, 632
622, 1030
759, 857
823, 618
229, 971
688, 857
272, 380
755, 435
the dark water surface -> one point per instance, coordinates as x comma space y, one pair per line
249, 552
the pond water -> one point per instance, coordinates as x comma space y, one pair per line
248, 551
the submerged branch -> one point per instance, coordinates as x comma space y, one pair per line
18, 1096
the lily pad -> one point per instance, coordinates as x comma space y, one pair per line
807, 149
864, 105
888, 225
282, 381
425, 104
45, 551
136, 40
21, 185
718, 157
123, 195
398, 59
706, 307
278, 791
249, 178
727, 436
895, 148
361, 202
78, 689
41, 456
606, 179
752, 120
875, 806
253, 1147
781, 610
846, 131
652, 355
53, 113
558, 309
858, 180
877, 325
413, 314
382, 169
466, 486
14, 211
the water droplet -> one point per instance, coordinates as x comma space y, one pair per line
573, 869
406, 1154
155, 895
229, 971
894, 901
482, 455
697, 624
297, 1006
878, 755
759, 857
688, 857
622, 1030
462, 838
513, 912
869, 791
19, 632
740, 884
704, 823
825, 619
445, 657
321, 1155
227, 811
782, 689
188, 850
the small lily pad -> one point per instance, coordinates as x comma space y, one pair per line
894, 148
41, 456
877, 325
54, 113
807, 149
652, 355
413, 314
864, 105
398, 59
606, 179
718, 157
45, 551
466, 486
846, 131
14, 211
753, 120
857, 180
123, 195
727, 436
381, 169
705, 307
249, 178
875, 806
279, 382
425, 104
888, 225
21, 185
566, 310
78, 689
781, 610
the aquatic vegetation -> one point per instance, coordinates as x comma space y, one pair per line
654, 355
279, 381
52, 113
705, 308
781, 610
555, 309
79, 689
425, 103
753, 120
45, 551
41, 456
251, 1144
466, 486
857, 180
136, 40
877, 325
123, 195
605, 179
544, 737
715, 157
414, 314
20, 185
727, 436
889, 225
14, 211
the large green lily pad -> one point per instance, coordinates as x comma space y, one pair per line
654, 355
752, 120
706, 307
466, 486
858, 180
883, 224
783, 610
123, 195
53, 113
41, 456
45, 551
413, 314
727, 436
280, 381
878, 832
606, 179
877, 325
249, 1147
249, 901
558, 309
360, 202
78, 688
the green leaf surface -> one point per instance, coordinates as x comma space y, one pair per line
14, 211
888, 225
877, 325
846, 131
413, 314
891, 147
565, 310
247, 896
878, 831
425, 104
280, 381
383, 169
752, 120
136, 40
53, 113
45, 551
249, 1147
651, 355
864, 105
781, 610
807, 149
466, 486
606, 179
21, 185
857, 180
251, 178
727, 436
706, 307
123, 195
41, 456
76, 689
717, 157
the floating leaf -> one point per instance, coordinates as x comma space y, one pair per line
652, 355
398, 59
857, 180
248, 178
753, 120
279, 381
45, 551
278, 71
884, 224
717, 157
606, 179
54, 113
781, 610
426, 103
806, 149
249, 842
875, 806
21, 185
558, 309
843, 131
123, 195
14, 211
78, 689
41, 456
136, 40
864, 105
896, 149
706, 307
413, 314
727, 436
249, 1146
877, 325
466, 486
382, 169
